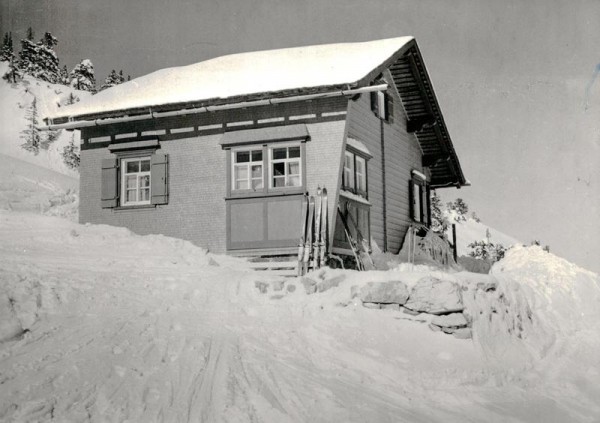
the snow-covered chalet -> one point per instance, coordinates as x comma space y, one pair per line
222, 152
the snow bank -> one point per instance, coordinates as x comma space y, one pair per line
244, 74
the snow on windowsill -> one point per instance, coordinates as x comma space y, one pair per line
355, 197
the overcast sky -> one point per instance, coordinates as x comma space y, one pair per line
514, 79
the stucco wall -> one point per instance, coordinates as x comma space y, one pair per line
197, 181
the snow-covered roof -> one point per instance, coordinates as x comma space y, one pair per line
244, 74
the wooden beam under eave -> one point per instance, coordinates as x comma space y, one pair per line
430, 160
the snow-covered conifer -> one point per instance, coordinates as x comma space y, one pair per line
31, 134
6, 52
439, 222
70, 154
112, 79
82, 76
39, 59
63, 76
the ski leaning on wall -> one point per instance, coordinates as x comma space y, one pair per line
312, 249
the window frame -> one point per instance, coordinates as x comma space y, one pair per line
267, 189
286, 161
123, 180
420, 191
353, 188
249, 164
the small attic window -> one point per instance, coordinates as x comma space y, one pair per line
382, 104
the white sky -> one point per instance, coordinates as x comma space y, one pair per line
511, 78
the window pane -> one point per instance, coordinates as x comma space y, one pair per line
145, 194
145, 181
257, 183
256, 171
294, 181
131, 194
294, 152
242, 157
278, 169
241, 184
279, 153
145, 165
417, 202
279, 181
133, 167
293, 168
257, 156
132, 181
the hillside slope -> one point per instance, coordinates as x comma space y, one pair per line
14, 102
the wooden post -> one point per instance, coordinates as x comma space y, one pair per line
454, 242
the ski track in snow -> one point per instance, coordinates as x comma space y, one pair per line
129, 328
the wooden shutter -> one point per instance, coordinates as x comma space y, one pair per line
389, 108
428, 206
159, 185
375, 103
110, 189
411, 198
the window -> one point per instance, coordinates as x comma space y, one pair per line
354, 177
247, 170
135, 181
382, 104
285, 167
419, 198
266, 169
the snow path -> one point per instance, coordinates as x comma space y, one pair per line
127, 328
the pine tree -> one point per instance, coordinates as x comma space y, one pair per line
439, 222
31, 134
39, 59
30, 34
70, 154
82, 76
7, 53
13, 74
112, 79
63, 76
71, 99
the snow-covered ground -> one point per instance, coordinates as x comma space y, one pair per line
111, 326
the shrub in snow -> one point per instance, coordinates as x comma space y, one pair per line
486, 250
82, 76
70, 154
13, 74
461, 209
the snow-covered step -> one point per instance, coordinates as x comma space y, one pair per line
283, 268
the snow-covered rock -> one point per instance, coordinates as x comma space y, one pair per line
453, 320
392, 292
435, 296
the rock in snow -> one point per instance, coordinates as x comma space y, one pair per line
392, 292
435, 296
456, 320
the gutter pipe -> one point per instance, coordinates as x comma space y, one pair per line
154, 115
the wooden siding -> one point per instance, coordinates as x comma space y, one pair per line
402, 154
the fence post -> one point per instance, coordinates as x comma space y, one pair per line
454, 243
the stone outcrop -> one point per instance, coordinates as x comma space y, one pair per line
392, 292
435, 296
